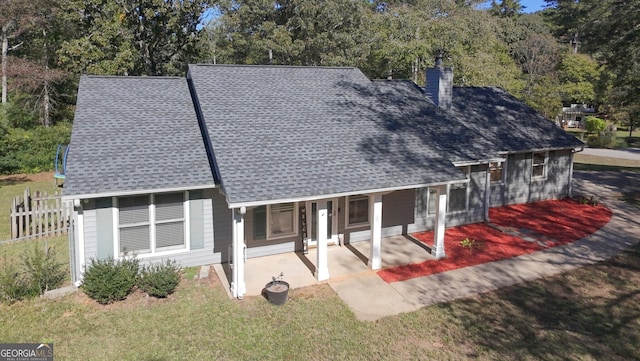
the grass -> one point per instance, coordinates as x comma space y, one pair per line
623, 139
591, 313
10, 187
14, 185
596, 163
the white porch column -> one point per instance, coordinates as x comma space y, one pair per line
238, 285
438, 232
375, 211
487, 196
322, 268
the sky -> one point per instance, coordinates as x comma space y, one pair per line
532, 5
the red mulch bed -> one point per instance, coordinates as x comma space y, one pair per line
550, 223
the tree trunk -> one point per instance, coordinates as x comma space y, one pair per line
46, 93
5, 51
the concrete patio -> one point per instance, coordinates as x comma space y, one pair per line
346, 260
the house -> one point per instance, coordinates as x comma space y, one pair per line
234, 162
573, 116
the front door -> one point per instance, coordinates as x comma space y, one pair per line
332, 222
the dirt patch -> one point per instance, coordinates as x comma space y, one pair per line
22, 178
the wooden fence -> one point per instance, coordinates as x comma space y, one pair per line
39, 215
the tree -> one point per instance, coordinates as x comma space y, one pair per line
579, 75
506, 8
135, 37
14, 20
294, 32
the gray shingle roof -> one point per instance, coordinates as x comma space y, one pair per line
291, 132
507, 123
135, 134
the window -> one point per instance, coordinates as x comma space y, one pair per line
458, 197
276, 221
151, 223
432, 201
496, 170
539, 165
357, 210
458, 194
282, 222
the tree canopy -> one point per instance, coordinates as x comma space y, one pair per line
573, 51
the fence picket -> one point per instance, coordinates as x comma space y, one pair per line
39, 214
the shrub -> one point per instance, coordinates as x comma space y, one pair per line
43, 269
110, 280
594, 124
160, 279
14, 286
603, 140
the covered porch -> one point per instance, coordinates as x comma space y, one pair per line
348, 260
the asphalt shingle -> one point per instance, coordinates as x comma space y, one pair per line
135, 134
291, 132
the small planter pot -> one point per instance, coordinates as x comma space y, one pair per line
277, 292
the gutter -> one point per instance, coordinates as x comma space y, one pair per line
339, 195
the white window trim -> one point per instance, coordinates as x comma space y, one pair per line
348, 225
466, 199
503, 166
545, 165
295, 223
165, 251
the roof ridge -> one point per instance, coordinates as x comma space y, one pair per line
273, 66
138, 77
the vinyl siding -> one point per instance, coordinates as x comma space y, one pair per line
521, 188
90, 231
97, 226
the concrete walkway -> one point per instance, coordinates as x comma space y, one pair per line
371, 298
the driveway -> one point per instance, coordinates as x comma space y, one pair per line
629, 153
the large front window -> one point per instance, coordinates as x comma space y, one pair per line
357, 210
275, 221
151, 223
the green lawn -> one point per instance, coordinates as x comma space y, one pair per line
592, 313
623, 139
11, 186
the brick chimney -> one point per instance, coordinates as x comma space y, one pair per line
439, 84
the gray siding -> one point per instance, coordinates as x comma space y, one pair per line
219, 228
104, 223
98, 224
521, 188
90, 231
475, 199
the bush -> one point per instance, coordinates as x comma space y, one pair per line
44, 271
603, 140
594, 125
160, 279
110, 280
14, 286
